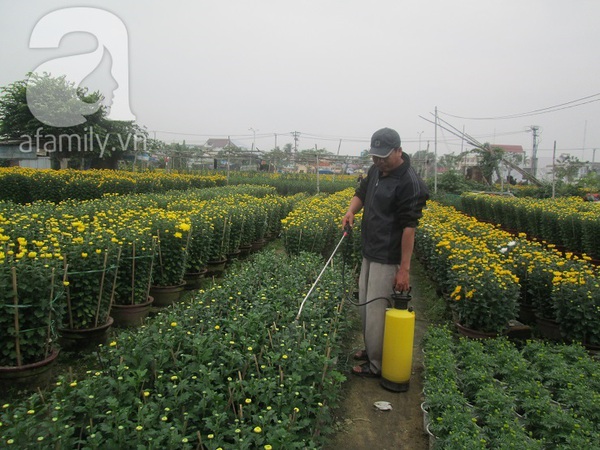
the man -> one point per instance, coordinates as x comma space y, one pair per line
393, 197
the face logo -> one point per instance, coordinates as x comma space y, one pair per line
112, 39
377, 143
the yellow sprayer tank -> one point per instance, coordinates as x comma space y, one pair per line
398, 337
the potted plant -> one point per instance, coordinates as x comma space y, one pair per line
198, 251
576, 299
132, 300
485, 297
172, 234
90, 259
217, 255
30, 308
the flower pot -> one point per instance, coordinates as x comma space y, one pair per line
28, 375
432, 438
233, 256
425, 416
73, 339
593, 349
215, 268
193, 280
166, 295
130, 315
474, 334
549, 328
526, 313
245, 250
259, 244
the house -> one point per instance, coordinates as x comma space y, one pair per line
218, 144
512, 153
24, 154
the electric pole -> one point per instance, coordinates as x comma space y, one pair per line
296, 135
435, 155
534, 129
253, 137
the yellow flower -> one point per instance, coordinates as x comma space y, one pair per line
173, 324
113, 344
257, 430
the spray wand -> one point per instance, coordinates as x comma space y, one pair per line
347, 230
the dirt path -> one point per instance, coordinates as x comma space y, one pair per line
360, 425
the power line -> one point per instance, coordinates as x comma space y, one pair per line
549, 109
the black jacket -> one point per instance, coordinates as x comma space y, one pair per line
390, 204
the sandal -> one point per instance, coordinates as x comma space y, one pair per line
361, 355
364, 370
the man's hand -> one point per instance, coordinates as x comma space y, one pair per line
402, 281
348, 219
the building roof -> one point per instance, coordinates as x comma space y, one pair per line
222, 143
510, 148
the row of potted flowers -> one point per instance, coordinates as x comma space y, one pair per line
490, 394
567, 222
228, 369
488, 274
24, 185
315, 224
68, 267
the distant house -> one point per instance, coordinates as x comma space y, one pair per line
23, 154
472, 160
218, 144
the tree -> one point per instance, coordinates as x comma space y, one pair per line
30, 110
567, 168
276, 157
490, 158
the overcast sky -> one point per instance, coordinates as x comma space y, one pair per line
341, 69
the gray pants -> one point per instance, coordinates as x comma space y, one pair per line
376, 280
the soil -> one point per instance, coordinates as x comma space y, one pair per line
360, 425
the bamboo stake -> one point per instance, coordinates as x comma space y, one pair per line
114, 285
185, 256
47, 351
133, 276
69, 308
101, 288
160, 261
151, 268
16, 305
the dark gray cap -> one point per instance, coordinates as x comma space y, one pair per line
383, 142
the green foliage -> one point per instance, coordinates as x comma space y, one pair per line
231, 357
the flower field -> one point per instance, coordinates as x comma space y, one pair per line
487, 274
229, 367
89, 255
23, 185
569, 222
542, 395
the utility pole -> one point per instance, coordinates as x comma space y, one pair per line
435, 154
275, 141
253, 137
554, 170
317, 154
296, 135
534, 129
